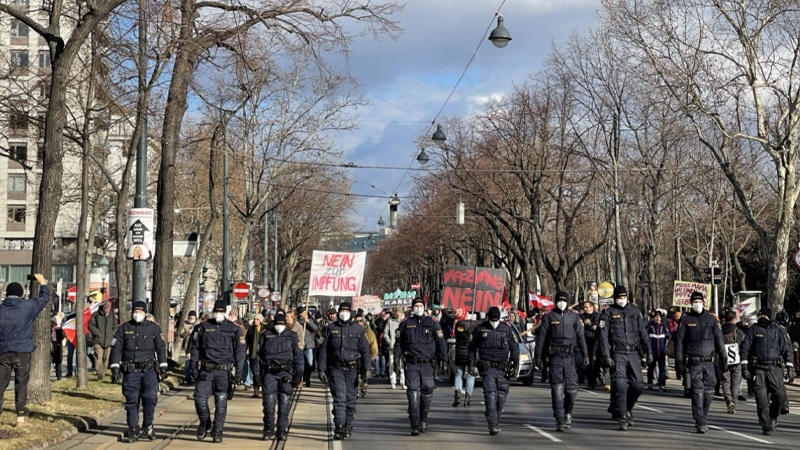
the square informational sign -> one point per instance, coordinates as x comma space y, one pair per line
139, 240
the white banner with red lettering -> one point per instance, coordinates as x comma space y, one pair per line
337, 274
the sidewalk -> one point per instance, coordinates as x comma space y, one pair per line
176, 423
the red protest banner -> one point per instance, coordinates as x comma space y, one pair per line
473, 288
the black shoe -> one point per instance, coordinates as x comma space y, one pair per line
701, 428
217, 438
202, 430
268, 435
150, 433
423, 426
348, 431
742, 398
561, 426
784, 409
494, 429
773, 424
629, 418
415, 429
131, 436
766, 431
281, 436
623, 425
307, 384
338, 433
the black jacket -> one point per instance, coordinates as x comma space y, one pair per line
560, 329
766, 345
699, 336
621, 330
494, 344
138, 342
463, 335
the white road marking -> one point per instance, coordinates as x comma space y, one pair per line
649, 409
740, 434
544, 433
590, 392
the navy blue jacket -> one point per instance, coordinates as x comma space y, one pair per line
343, 342
139, 343
281, 348
421, 337
493, 344
561, 328
16, 321
218, 344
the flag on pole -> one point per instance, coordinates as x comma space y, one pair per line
69, 325
539, 301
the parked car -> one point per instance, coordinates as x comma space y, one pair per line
525, 367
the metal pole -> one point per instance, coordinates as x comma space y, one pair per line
275, 260
140, 199
265, 269
226, 294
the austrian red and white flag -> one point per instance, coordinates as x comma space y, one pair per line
69, 326
539, 301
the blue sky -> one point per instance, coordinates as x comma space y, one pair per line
408, 80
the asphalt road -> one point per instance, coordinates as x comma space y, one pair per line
662, 420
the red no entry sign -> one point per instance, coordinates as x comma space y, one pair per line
241, 290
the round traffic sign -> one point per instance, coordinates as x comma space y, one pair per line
241, 290
796, 258
263, 292
72, 293
606, 289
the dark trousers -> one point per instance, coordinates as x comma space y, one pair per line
768, 385
419, 390
56, 356
70, 357
255, 369
144, 385
661, 362
188, 364
343, 383
277, 391
703, 377
20, 363
563, 385
626, 380
212, 382
495, 391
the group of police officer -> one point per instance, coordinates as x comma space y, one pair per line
218, 349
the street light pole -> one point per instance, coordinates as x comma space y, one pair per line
226, 262
140, 200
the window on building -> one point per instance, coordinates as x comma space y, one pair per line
44, 59
19, 152
18, 29
19, 58
62, 272
3, 274
16, 214
18, 121
16, 183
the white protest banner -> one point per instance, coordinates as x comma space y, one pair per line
368, 303
337, 274
683, 290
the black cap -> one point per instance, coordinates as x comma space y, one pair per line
14, 289
696, 295
220, 305
494, 313
280, 318
561, 295
418, 300
619, 291
765, 311
344, 306
139, 305
301, 309
192, 313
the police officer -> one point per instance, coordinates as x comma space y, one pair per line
343, 354
698, 343
218, 351
561, 336
282, 367
767, 350
494, 350
623, 335
136, 348
419, 342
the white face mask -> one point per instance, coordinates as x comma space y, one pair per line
219, 317
697, 307
494, 323
561, 305
279, 328
344, 316
622, 301
418, 311
138, 317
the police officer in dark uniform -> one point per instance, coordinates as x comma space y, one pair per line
767, 350
218, 351
138, 350
495, 352
419, 342
561, 336
282, 367
698, 343
622, 337
343, 354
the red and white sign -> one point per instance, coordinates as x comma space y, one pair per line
71, 293
241, 290
683, 291
539, 301
337, 274
263, 292
796, 259
415, 286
